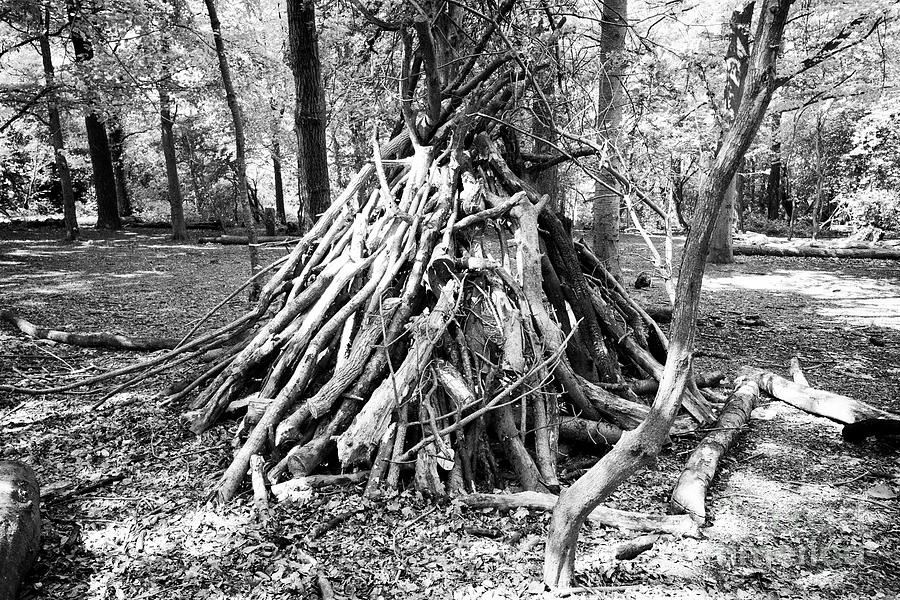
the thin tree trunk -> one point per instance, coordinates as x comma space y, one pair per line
117, 152
607, 204
736, 70
773, 184
279, 184
98, 141
639, 447
56, 133
309, 110
176, 199
240, 145
545, 135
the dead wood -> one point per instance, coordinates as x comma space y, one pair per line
836, 407
243, 240
677, 525
817, 252
87, 340
20, 525
689, 496
587, 432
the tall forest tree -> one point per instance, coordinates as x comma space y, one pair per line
167, 136
98, 141
309, 110
736, 70
607, 197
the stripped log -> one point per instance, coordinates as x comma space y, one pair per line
20, 525
87, 340
242, 240
689, 496
677, 525
836, 407
816, 252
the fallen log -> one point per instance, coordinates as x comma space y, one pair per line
689, 496
20, 525
87, 340
677, 525
590, 433
836, 407
242, 240
816, 252
643, 387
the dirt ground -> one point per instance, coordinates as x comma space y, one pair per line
794, 513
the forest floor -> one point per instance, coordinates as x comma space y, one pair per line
794, 513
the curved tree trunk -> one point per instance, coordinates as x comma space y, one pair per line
607, 204
639, 447
309, 110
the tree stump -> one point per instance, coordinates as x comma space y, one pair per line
20, 525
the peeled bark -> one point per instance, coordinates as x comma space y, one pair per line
836, 407
689, 496
20, 525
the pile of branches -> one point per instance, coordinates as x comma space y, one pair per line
437, 321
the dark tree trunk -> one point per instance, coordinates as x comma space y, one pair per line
639, 447
98, 142
240, 152
736, 71
167, 140
117, 152
607, 204
56, 133
279, 184
309, 110
773, 184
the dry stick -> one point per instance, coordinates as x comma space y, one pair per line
230, 296
86, 340
494, 402
146, 374
230, 481
205, 342
665, 270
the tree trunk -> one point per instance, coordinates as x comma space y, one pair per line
176, 199
20, 525
309, 109
773, 183
56, 133
240, 145
545, 135
98, 142
607, 204
638, 447
279, 184
736, 70
117, 152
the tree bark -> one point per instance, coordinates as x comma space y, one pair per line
56, 132
309, 108
279, 183
773, 182
98, 141
736, 70
176, 199
20, 525
638, 447
606, 204
237, 120
689, 496
117, 152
